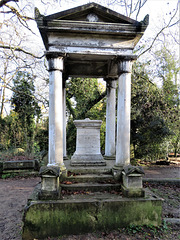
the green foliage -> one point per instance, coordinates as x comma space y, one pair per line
11, 132
7, 175
41, 137
168, 71
148, 126
85, 99
26, 106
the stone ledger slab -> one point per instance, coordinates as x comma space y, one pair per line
88, 151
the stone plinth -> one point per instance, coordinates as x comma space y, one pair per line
132, 181
49, 183
88, 143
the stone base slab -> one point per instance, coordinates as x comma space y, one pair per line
51, 195
87, 160
88, 163
86, 213
132, 192
109, 157
25, 164
107, 169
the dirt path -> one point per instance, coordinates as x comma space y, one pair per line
13, 198
162, 172
14, 193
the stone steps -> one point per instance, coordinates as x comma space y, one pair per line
100, 178
88, 212
91, 187
90, 179
90, 170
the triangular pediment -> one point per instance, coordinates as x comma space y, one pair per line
91, 12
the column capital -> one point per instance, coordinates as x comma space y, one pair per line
125, 66
55, 60
55, 64
53, 54
125, 63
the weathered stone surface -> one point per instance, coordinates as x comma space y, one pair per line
92, 187
132, 181
88, 143
132, 192
25, 164
50, 170
49, 182
80, 214
91, 36
110, 142
133, 170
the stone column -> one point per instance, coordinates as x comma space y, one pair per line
64, 120
123, 115
110, 149
56, 112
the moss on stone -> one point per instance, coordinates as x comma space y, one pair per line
55, 218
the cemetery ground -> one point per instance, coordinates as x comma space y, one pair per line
15, 191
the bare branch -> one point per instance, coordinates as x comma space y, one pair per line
41, 99
3, 2
174, 23
139, 8
22, 19
125, 2
130, 8
18, 49
15, 11
157, 35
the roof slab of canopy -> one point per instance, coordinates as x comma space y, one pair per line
91, 38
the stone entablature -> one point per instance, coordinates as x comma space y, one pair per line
91, 37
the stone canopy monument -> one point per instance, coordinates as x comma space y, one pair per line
89, 41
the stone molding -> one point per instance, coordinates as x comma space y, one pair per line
125, 66
55, 64
88, 123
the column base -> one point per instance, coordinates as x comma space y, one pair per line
65, 158
62, 167
113, 157
132, 192
117, 172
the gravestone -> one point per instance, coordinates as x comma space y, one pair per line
88, 151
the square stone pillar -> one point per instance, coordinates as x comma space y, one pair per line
132, 181
88, 151
110, 147
49, 183
123, 115
56, 112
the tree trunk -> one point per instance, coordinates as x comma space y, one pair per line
2, 102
